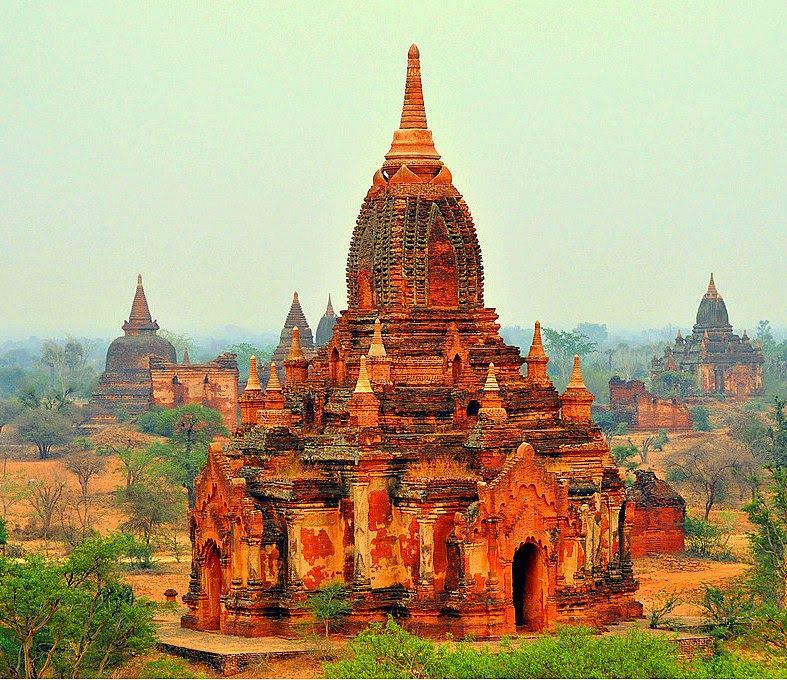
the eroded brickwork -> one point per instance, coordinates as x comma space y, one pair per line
644, 411
213, 384
657, 513
409, 457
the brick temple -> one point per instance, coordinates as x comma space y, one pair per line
410, 458
724, 363
642, 410
142, 371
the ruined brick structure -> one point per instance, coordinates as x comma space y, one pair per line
142, 371
657, 514
410, 458
723, 362
213, 384
643, 410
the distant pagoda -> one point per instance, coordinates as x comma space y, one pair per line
295, 317
125, 384
724, 363
325, 327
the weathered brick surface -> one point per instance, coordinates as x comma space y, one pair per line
657, 512
412, 459
643, 410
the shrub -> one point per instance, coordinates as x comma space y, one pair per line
330, 604
700, 419
661, 608
661, 438
727, 613
573, 652
707, 539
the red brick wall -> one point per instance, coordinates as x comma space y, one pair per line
657, 530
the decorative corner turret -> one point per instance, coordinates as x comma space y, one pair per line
253, 398
364, 407
379, 363
577, 399
537, 361
274, 414
296, 367
491, 401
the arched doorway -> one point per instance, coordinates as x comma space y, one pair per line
212, 585
529, 587
473, 407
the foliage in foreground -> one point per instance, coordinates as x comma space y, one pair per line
70, 618
330, 604
388, 651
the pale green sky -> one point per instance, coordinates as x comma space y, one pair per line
612, 155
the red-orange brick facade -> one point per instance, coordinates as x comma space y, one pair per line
410, 458
643, 410
657, 513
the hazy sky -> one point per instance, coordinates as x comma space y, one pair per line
612, 155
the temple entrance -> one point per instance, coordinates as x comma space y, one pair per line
211, 586
529, 586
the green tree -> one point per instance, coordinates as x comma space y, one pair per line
700, 419
45, 429
149, 505
673, 384
623, 455
330, 604
190, 429
70, 618
561, 346
768, 514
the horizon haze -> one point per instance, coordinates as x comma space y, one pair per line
612, 157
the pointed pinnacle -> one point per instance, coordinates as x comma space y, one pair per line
413, 110
576, 382
254, 377
363, 386
273, 380
491, 380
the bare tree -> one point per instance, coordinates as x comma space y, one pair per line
85, 465
706, 469
45, 499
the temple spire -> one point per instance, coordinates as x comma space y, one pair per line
491, 380
712, 292
363, 386
273, 380
329, 309
254, 377
377, 348
413, 111
412, 157
577, 381
139, 319
140, 312
296, 351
